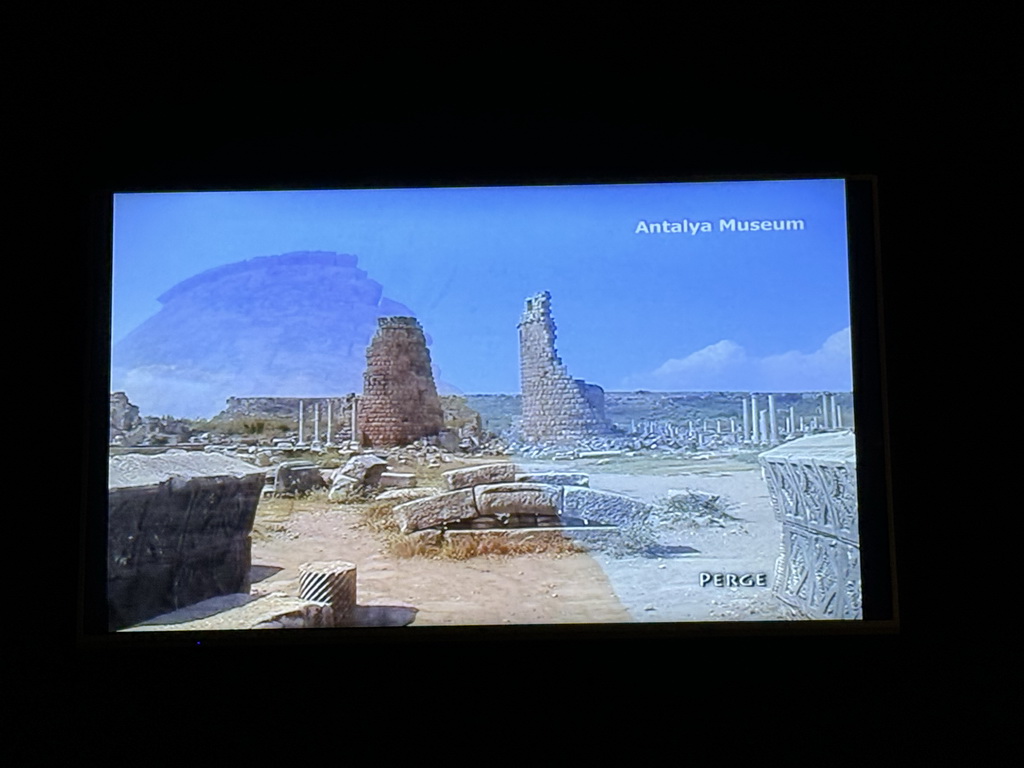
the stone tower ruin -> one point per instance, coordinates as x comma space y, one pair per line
556, 407
400, 402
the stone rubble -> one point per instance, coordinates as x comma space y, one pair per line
489, 498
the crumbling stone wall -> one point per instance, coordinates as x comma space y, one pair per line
400, 402
556, 407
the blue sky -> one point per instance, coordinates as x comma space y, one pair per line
766, 311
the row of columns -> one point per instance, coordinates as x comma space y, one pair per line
761, 425
330, 421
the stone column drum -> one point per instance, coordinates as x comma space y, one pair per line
332, 582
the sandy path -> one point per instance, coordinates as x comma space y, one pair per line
530, 589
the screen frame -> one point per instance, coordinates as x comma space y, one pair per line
881, 614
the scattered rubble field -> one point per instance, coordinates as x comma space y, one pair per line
548, 587
555, 585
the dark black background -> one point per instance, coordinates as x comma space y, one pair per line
143, 106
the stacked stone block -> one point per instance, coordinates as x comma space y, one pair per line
178, 531
499, 496
400, 402
556, 407
812, 483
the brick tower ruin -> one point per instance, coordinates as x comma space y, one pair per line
556, 407
400, 402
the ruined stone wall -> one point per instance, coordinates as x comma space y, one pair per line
400, 402
178, 531
556, 407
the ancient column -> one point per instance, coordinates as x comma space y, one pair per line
772, 421
330, 425
316, 422
763, 425
746, 420
792, 419
301, 405
331, 582
824, 410
835, 412
755, 437
839, 416
732, 425
355, 418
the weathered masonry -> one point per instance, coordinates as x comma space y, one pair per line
556, 407
178, 531
812, 483
400, 402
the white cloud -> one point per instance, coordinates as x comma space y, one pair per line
726, 366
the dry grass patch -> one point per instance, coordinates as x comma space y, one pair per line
378, 516
484, 544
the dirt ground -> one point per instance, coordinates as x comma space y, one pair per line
525, 589
547, 588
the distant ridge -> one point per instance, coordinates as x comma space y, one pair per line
295, 324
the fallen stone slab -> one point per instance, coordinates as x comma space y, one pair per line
397, 480
436, 511
583, 533
135, 470
380, 613
274, 611
364, 468
297, 477
504, 499
601, 506
341, 487
484, 474
407, 494
555, 478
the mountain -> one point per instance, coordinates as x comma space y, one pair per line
296, 324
